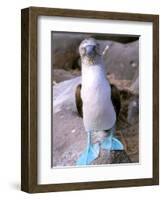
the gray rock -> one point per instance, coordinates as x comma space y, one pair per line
64, 95
69, 136
122, 59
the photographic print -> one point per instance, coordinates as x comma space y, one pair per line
89, 99
95, 84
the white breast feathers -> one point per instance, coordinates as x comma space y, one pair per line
98, 110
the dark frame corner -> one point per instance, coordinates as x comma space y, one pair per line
29, 99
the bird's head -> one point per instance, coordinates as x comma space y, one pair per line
89, 51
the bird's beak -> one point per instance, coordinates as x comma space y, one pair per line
90, 50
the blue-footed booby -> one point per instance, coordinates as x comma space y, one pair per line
97, 102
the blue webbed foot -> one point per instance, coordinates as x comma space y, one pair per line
91, 152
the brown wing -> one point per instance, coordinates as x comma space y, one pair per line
115, 97
78, 99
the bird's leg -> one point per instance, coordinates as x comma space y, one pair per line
111, 142
98, 136
90, 153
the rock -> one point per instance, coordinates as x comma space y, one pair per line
69, 136
122, 58
120, 156
65, 49
135, 86
67, 143
133, 110
60, 75
112, 157
64, 95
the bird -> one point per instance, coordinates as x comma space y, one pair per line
115, 98
97, 102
